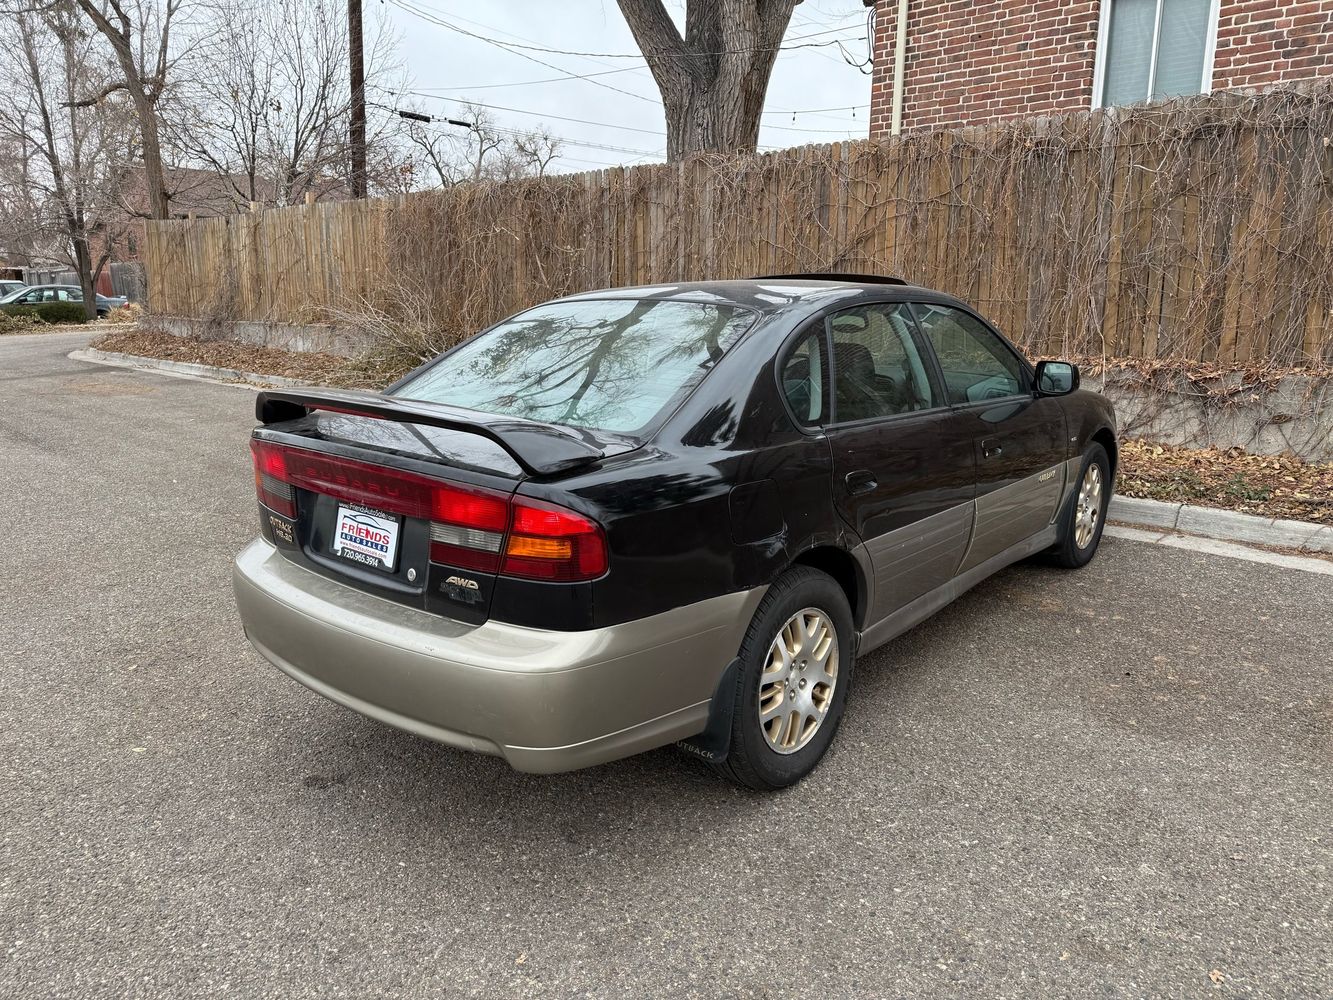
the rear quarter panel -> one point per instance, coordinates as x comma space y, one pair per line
722, 500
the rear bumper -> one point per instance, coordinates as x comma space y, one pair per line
545, 701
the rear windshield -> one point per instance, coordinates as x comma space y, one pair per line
605, 364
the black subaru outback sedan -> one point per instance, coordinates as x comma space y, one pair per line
666, 514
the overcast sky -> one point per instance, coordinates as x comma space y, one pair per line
829, 97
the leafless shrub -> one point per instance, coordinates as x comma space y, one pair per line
129, 313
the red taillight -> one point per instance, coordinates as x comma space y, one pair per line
395, 490
271, 483
547, 542
470, 528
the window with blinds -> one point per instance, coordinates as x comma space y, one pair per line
1154, 49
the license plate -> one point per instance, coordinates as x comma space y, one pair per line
365, 536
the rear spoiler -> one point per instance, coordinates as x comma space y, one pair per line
540, 449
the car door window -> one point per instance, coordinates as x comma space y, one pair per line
803, 379
977, 364
70, 296
877, 369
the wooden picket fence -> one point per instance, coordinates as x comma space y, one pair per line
1198, 229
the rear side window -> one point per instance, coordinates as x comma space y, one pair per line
803, 379
977, 365
877, 370
605, 364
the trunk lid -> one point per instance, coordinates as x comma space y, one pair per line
415, 501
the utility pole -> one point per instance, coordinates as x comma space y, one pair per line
358, 74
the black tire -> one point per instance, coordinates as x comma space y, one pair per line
1068, 553
751, 761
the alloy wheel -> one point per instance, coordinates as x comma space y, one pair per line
1089, 506
796, 686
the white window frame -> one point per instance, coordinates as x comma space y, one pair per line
1103, 34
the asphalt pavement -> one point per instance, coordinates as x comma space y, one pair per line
1108, 783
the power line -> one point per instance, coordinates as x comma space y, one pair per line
510, 133
549, 79
433, 17
818, 131
621, 69
521, 38
815, 111
534, 114
624, 128
403, 4
514, 47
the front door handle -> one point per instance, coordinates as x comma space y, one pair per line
861, 481
991, 449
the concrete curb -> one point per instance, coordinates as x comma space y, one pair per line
208, 373
1225, 525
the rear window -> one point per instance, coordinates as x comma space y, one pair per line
605, 364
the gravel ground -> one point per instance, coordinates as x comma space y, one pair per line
1110, 783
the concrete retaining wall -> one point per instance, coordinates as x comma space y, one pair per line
1291, 414
312, 337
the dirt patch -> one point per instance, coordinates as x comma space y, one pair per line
323, 369
1231, 479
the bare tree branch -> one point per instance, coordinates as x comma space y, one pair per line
97, 98
145, 85
59, 201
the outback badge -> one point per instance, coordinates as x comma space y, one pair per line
461, 588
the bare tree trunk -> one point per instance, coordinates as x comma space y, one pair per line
143, 83
77, 220
83, 263
155, 181
49, 44
713, 80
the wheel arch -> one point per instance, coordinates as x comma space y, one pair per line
846, 572
1106, 438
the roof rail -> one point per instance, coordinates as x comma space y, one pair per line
869, 279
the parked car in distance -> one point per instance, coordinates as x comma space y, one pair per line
8, 287
666, 514
35, 294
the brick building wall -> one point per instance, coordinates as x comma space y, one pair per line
1262, 42
975, 62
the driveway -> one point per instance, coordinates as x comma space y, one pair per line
1107, 783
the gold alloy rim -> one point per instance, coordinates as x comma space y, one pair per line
1089, 506
796, 687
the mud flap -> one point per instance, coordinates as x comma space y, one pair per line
714, 742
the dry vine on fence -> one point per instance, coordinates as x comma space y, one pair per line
1199, 229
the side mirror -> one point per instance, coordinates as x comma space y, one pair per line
1056, 378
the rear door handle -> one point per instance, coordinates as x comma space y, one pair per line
991, 449
861, 481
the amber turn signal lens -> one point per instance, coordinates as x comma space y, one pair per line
526, 547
